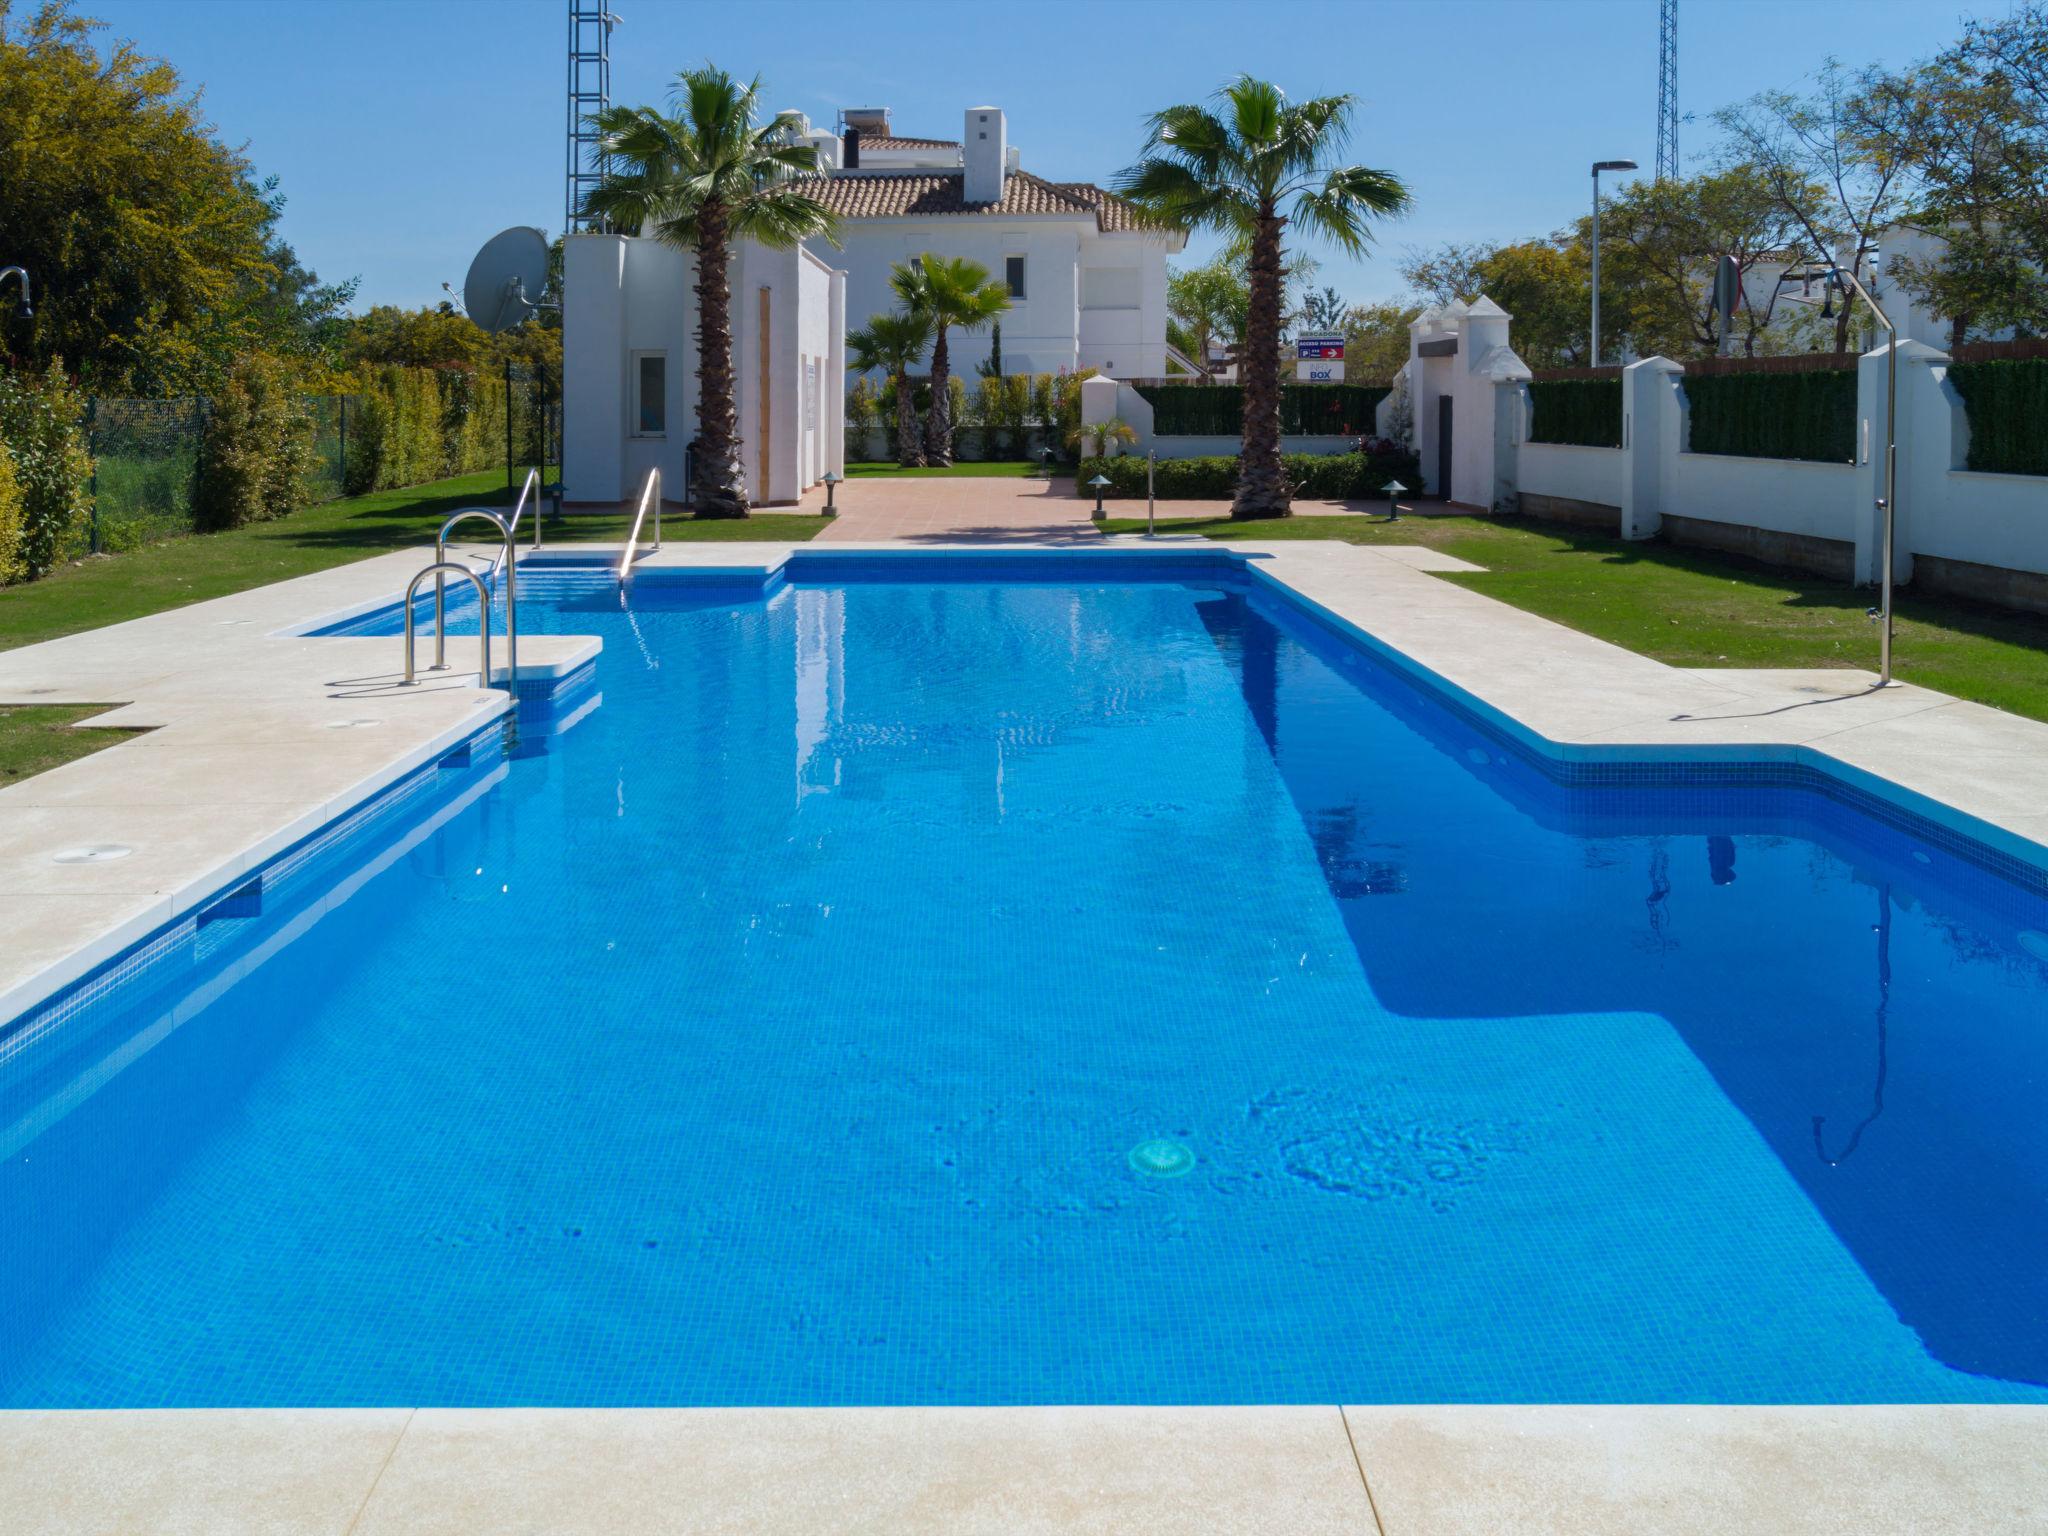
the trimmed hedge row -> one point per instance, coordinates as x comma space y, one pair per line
416, 424
1322, 476
2007, 404
1306, 410
1808, 415
1583, 412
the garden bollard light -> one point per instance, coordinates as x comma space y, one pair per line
1394, 490
831, 480
1098, 485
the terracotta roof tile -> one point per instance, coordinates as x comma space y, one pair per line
917, 194
896, 141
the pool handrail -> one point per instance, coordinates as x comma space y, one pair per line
530, 488
438, 570
651, 489
506, 560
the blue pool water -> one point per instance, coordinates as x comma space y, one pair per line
906, 991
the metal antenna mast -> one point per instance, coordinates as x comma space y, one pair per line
590, 91
1667, 89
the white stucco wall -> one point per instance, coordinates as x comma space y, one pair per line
1048, 329
624, 296
1572, 472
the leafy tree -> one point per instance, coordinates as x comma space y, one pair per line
1376, 341
1659, 244
152, 246
991, 367
1544, 284
950, 292
1323, 310
1970, 128
1836, 174
895, 344
700, 179
1249, 170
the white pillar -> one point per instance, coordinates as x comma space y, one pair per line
1652, 433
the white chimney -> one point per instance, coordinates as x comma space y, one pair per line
984, 155
828, 147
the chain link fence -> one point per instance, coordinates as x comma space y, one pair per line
146, 458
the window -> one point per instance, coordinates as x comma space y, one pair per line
1013, 273
650, 394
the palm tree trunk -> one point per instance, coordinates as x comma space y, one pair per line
1262, 489
721, 479
909, 452
938, 434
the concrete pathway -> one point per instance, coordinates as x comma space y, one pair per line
1279, 1471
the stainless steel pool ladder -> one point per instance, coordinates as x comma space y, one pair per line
650, 493
506, 560
438, 570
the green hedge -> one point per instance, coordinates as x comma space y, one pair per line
2007, 403
256, 450
1306, 410
411, 425
1321, 476
1808, 415
1585, 412
42, 425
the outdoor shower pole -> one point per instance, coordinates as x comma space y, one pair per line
1150, 457
1888, 503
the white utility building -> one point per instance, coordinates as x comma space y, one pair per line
1087, 282
629, 366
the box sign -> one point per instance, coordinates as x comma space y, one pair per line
1319, 359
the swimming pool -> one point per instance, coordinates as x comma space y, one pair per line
959, 982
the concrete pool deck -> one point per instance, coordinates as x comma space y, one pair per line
259, 735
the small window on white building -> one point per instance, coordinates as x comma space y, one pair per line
1013, 274
650, 394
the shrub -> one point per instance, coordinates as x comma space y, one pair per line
1319, 476
1005, 415
1585, 412
1217, 410
2006, 400
410, 425
256, 450
41, 426
1810, 415
11, 521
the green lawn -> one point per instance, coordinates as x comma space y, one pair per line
110, 588
1694, 609
34, 737
994, 469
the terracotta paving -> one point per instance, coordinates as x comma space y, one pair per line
965, 510
968, 510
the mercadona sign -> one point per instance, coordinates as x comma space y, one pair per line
1319, 359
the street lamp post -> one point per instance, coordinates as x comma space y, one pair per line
1598, 167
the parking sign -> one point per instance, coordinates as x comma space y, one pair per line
1319, 359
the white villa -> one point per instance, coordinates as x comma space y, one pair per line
1087, 284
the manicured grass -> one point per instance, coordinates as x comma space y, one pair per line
34, 737
994, 469
1694, 609
110, 588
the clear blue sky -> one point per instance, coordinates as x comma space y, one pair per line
405, 132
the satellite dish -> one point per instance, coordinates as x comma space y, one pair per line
507, 278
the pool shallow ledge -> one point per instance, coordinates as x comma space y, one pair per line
251, 738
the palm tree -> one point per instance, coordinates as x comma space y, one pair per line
950, 291
701, 179
1249, 169
895, 343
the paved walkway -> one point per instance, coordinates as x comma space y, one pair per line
962, 510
